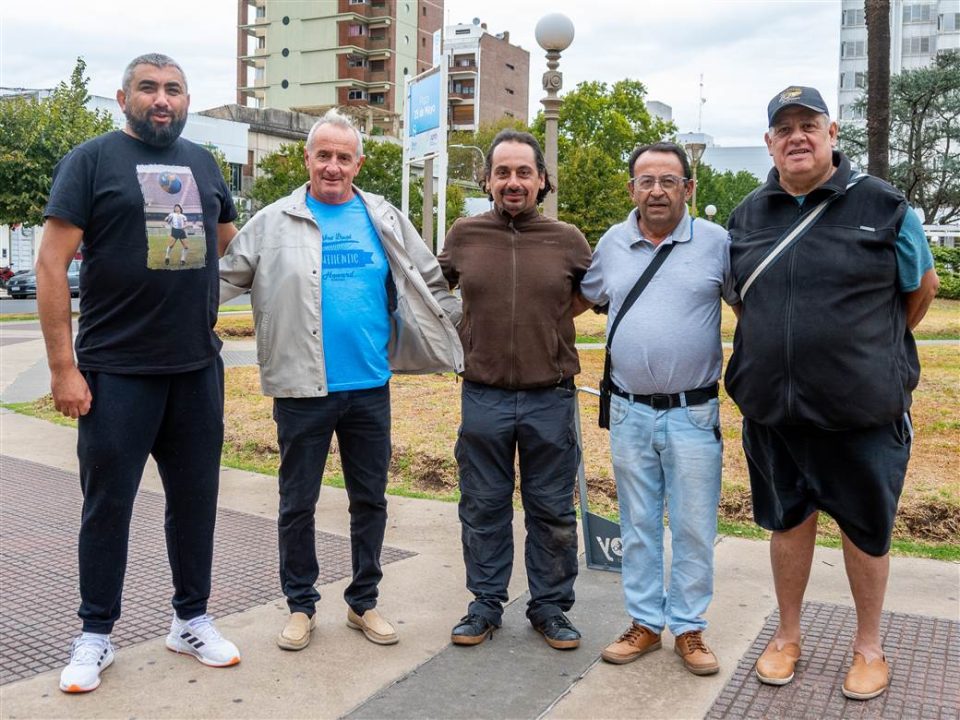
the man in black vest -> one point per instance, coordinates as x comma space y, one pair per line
823, 367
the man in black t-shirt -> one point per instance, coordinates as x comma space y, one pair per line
148, 379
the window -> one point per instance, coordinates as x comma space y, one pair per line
377, 65
285, 52
917, 45
356, 30
462, 31
852, 18
917, 13
509, 91
286, 20
356, 94
851, 112
406, 39
853, 48
378, 99
423, 42
284, 84
853, 80
358, 2
424, 10
261, 12
511, 67
948, 21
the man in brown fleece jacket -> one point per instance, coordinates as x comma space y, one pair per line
519, 274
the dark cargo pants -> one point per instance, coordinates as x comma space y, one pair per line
496, 425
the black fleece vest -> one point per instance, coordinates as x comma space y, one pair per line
822, 338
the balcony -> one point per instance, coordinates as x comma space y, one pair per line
462, 66
369, 9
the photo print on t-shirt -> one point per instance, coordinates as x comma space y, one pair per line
174, 216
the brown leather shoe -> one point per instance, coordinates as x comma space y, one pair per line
696, 656
636, 641
776, 666
866, 680
296, 633
374, 627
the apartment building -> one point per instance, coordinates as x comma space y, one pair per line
918, 31
489, 78
310, 55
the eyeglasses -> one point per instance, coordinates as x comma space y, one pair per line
668, 183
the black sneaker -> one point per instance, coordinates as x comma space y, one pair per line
559, 632
472, 630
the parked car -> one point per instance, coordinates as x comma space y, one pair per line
24, 285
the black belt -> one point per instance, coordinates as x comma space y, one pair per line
662, 401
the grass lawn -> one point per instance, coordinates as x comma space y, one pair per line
426, 413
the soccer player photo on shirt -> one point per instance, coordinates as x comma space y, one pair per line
174, 218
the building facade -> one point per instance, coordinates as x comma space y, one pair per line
918, 31
489, 78
311, 55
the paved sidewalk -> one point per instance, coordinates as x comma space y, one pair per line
340, 674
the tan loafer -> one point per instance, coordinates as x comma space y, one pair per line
866, 680
636, 641
374, 627
776, 666
696, 656
296, 633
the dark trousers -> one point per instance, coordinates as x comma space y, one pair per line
305, 427
496, 425
178, 419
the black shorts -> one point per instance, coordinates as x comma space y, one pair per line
178, 233
855, 476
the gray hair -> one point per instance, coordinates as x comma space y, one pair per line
337, 119
157, 60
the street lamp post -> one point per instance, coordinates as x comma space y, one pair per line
695, 151
711, 212
554, 34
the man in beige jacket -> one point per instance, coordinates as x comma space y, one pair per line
344, 293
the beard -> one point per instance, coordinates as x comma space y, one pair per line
157, 136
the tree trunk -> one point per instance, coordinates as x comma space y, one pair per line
878, 87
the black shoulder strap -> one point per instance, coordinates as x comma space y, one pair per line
658, 259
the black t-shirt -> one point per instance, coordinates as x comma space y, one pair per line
148, 302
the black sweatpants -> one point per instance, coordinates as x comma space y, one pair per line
496, 425
178, 419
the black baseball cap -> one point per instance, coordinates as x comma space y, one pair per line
807, 97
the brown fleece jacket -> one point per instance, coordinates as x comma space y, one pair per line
518, 277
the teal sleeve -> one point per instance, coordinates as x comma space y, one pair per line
913, 252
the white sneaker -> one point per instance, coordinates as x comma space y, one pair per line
91, 655
199, 637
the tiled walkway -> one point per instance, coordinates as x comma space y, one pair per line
39, 521
924, 655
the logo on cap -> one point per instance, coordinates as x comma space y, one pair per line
790, 94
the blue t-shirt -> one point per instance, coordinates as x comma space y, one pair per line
356, 320
914, 257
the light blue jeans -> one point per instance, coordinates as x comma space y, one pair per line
675, 454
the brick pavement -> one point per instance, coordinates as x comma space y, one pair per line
39, 521
924, 655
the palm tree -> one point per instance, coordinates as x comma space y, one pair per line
877, 15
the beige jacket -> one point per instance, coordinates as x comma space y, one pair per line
277, 256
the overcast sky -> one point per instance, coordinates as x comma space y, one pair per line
746, 50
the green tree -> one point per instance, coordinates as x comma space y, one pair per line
34, 135
924, 132
281, 172
724, 190
599, 126
221, 163
382, 173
